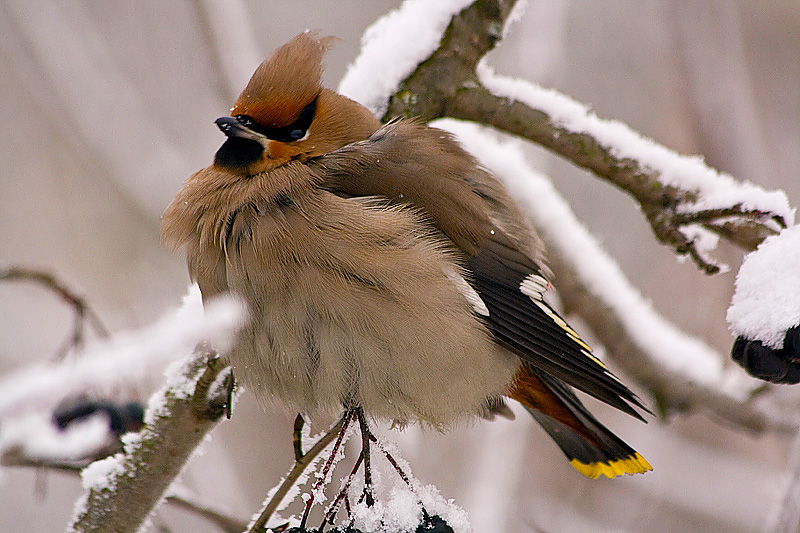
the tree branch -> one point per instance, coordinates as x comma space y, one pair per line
447, 85
83, 311
125, 488
226, 523
660, 203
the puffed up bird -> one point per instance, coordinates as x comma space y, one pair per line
383, 269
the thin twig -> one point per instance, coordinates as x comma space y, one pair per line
14, 458
225, 522
327, 468
294, 474
334, 508
365, 436
391, 460
83, 312
716, 215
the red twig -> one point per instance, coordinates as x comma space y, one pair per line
328, 464
334, 508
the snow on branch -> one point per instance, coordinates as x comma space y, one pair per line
688, 204
123, 357
392, 48
766, 303
122, 490
682, 371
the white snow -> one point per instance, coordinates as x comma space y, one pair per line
400, 512
663, 341
517, 12
393, 46
436, 504
401, 509
717, 189
125, 356
766, 302
102, 473
35, 436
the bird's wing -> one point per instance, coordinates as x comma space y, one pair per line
425, 168
512, 288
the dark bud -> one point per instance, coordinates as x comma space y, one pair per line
791, 344
434, 524
775, 366
122, 418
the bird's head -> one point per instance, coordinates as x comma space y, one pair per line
284, 113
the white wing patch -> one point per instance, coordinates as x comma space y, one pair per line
534, 286
469, 293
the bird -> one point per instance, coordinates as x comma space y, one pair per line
383, 269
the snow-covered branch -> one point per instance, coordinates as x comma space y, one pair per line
123, 358
124, 489
688, 204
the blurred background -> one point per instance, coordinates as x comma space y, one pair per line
106, 107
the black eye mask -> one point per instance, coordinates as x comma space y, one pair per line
293, 132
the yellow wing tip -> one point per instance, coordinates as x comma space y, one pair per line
633, 464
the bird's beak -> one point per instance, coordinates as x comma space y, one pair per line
232, 128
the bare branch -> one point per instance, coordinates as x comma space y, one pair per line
83, 311
15, 458
224, 521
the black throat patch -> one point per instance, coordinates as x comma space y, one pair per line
237, 152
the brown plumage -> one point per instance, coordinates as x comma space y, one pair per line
383, 269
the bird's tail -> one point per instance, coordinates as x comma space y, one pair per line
591, 448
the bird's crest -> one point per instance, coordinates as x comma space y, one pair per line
285, 82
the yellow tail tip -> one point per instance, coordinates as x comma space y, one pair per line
633, 464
